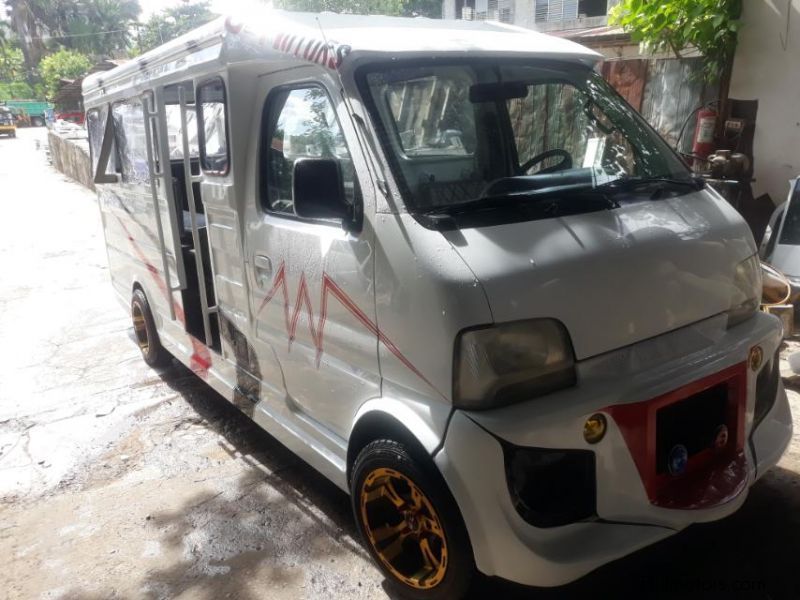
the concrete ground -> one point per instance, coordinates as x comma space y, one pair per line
120, 482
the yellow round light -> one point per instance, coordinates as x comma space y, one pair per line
595, 428
756, 357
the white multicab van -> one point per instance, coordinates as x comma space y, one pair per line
449, 267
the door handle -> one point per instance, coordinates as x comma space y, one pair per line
263, 269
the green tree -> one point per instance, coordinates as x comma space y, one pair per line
26, 25
64, 64
710, 26
98, 28
171, 23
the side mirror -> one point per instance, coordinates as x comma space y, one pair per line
318, 190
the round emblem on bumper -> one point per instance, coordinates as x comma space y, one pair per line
756, 357
677, 459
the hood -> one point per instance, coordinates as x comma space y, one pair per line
613, 278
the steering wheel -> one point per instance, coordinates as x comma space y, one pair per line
566, 161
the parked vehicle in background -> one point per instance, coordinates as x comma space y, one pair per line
76, 117
780, 246
31, 113
7, 125
537, 344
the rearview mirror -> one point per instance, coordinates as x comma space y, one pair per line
494, 92
318, 189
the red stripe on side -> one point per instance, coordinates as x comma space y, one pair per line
329, 286
200, 361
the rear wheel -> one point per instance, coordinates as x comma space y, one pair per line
410, 523
144, 328
37, 121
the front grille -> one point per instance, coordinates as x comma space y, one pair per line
692, 422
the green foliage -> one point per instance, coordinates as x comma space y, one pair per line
427, 8
64, 64
16, 89
12, 64
98, 28
171, 23
675, 25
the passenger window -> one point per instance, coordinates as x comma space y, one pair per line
214, 156
96, 128
131, 143
300, 123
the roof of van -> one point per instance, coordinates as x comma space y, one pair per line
332, 39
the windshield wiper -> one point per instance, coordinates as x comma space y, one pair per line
508, 200
629, 184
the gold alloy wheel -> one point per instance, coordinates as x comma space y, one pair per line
403, 528
140, 329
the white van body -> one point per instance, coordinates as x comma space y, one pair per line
332, 336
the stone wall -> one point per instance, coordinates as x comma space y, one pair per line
71, 157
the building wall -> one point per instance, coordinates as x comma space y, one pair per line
765, 68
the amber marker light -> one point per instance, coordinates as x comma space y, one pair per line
595, 428
756, 357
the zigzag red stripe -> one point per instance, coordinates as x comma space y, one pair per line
317, 332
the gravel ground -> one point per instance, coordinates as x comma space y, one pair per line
120, 482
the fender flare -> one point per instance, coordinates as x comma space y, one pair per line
392, 413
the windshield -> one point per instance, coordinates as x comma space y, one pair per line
458, 132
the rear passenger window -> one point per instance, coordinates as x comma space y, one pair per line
300, 123
211, 113
131, 141
96, 128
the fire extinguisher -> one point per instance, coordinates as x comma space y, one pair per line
703, 144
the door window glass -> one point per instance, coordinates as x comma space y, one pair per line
213, 133
131, 141
96, 128
301, 123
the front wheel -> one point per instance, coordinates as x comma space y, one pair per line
410, 523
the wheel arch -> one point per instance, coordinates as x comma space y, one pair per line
392, 419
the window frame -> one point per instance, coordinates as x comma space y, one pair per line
201, 128
265, 131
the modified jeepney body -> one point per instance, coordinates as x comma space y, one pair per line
454, 271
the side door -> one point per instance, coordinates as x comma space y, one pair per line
312, 282
782, 249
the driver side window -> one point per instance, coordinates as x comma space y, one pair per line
300, 123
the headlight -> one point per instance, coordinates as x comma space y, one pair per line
746, 291
506, 363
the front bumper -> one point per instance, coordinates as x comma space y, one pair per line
472, 460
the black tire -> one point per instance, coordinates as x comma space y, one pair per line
37, 121
386, 455
144, 328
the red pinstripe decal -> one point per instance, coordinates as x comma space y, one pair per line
329, 286
329, 55
200, 361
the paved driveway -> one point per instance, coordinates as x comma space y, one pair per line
119, 482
